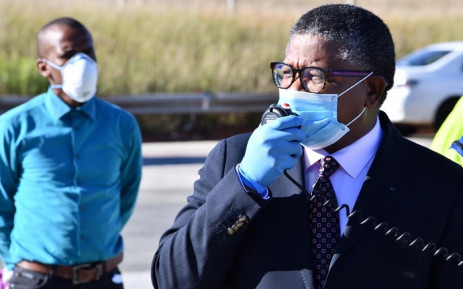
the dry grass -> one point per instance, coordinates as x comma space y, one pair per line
190, 45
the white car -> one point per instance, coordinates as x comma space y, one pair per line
427, 84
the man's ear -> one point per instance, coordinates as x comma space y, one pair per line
43, 68
377, 85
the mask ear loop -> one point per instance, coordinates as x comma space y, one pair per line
360, 114
355, 84
57, 67
364, 108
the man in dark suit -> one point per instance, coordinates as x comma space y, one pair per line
261, 216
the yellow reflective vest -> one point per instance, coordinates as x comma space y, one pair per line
448, 140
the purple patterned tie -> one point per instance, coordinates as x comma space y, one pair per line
324, 221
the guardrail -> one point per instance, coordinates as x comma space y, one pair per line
177, 103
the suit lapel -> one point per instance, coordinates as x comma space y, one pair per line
292, 212
385, 184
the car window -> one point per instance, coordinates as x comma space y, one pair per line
422, 57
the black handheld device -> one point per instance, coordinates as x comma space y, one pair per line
276, 111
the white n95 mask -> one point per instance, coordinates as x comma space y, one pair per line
319, 112
79, 77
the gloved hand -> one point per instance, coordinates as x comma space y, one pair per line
272, 148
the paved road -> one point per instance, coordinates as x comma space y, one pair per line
168, 175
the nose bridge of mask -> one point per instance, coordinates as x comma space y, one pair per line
309, 102
70, 61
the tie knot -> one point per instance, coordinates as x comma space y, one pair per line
328, 166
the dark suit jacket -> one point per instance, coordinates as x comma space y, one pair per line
227, 238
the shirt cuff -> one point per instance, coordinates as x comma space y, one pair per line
247, 184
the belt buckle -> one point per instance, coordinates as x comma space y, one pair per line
75, 273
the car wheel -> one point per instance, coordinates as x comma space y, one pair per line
444, 111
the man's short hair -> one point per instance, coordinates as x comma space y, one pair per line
364, 39
63, 21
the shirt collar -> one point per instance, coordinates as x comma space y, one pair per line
58, 108
355, 156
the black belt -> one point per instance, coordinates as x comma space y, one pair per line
81, 273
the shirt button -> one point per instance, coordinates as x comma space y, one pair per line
77, 127
82, 237
77, 156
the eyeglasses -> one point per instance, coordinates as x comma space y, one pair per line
313, 79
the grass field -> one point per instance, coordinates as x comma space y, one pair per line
191, 45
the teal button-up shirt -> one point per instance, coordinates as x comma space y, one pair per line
69, 178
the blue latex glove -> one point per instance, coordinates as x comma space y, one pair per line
272, 148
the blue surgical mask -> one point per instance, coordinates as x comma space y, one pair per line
319, 112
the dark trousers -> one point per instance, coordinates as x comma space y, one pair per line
26, 279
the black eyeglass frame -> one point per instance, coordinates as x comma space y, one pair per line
327, 73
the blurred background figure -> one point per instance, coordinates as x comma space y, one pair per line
448, 140
70, 168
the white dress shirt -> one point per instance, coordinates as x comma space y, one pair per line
355, 161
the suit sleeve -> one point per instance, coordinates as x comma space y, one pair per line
199, 249
8, 183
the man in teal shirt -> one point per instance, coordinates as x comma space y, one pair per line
70, 169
